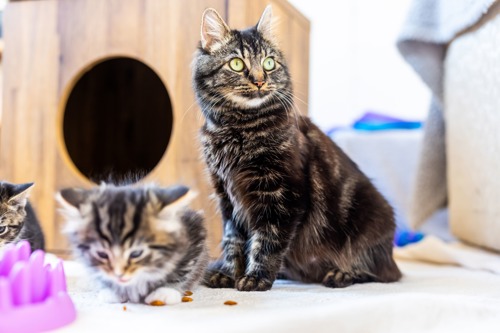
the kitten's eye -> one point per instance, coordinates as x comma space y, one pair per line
136, 254
237, 64
102, 255
3, 230
269, 64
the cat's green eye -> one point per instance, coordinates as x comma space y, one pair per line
135, 254
269, 64
3, 230
237, 64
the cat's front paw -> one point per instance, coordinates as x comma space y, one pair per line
215, 279
253, 283
169, 296
109, 296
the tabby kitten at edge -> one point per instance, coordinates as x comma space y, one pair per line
292, 202
18, 220
141, 242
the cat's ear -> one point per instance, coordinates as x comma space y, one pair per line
172, 200
265, 24
71, 198
214, 31
19, 194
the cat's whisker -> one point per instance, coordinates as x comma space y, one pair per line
288, 99
300, 100
186, 112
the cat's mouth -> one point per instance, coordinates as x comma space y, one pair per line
250, 99
123, 279
255, 94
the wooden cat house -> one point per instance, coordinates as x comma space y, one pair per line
94, 88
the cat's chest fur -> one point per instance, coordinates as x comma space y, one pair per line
229, 150
254, 164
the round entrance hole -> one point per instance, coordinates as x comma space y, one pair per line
117, 121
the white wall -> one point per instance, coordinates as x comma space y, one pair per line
355, 65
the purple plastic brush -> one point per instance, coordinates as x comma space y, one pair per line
33, 296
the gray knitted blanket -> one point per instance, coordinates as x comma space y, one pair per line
429, 27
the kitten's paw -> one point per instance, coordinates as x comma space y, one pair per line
253, 283
338, 279
214, 279
166, 295
108, 296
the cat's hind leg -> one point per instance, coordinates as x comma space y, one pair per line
217, 276
336, 278
374, 264
381, 264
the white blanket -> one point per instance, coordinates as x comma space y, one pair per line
429, 27
428, 299
434, 250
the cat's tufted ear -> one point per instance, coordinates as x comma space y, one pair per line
172, 200
72, 197
214, 31
265, 24
19, 194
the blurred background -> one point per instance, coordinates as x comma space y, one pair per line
354, 63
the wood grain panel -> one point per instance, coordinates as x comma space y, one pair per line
27, 150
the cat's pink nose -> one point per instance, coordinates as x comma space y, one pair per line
259, 84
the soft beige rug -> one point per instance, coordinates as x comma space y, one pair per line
430, 298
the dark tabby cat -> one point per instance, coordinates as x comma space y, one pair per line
141, 242
292, 202
17, 218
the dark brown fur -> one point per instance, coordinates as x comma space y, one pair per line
291, 200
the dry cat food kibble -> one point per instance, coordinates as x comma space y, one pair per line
188, 293
157, 303
230, 303
186, 299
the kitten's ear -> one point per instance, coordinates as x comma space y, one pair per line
214, 31
265, 24
173, 199
70, 200
72, 197
19, 194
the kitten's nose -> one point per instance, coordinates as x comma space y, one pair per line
119, 272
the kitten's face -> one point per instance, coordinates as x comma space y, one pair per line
126, 235
239, 68
13, 200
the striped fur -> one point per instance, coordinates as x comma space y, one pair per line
137, 239
18, 220
292, 202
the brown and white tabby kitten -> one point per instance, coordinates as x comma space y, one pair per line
142, 242
18, 220
292, 202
